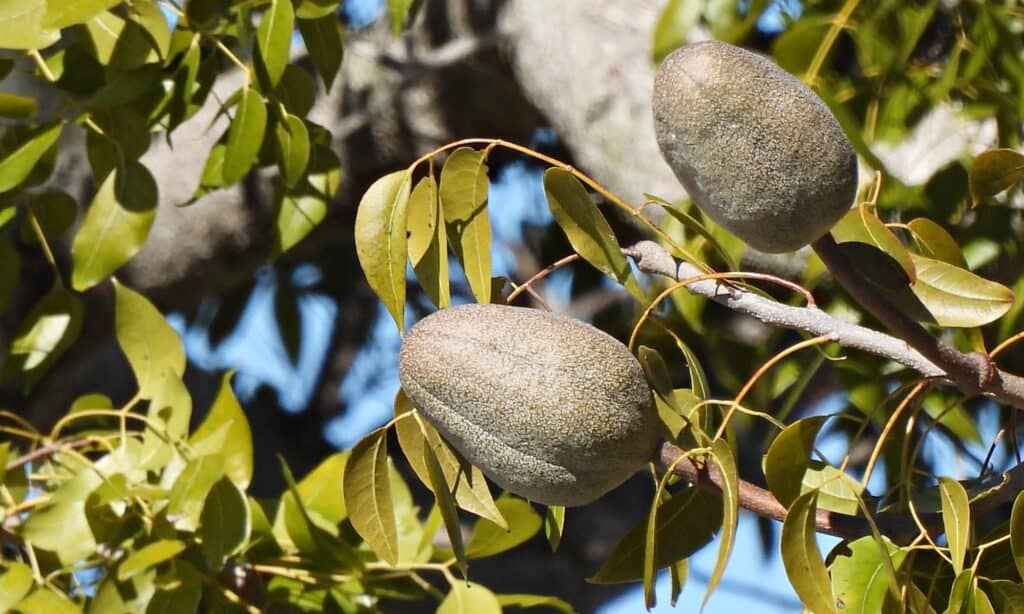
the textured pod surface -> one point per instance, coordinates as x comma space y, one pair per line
550, 408
756, 149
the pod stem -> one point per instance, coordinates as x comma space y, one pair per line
970, 372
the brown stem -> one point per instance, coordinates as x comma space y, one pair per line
970, 372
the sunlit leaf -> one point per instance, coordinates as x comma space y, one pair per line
320, 489
61, 525
446, 505
115, 225
858, 575
150, 555
225, 432
861, 225
586, 228
721, 455
305, 205
535, 601
224, 525
46, 332
957, 297
469, 598
15, 582
961, 592
554, 525
994, 171
46, 601
380, 238
16, 165
273, 37
788, 457
21, 25
181, 596
674, 26
325, 45
956, 519
13, 106
399, 10
1017, 533
170, 410
934, 242
463, 192
489, 539
292, 148
149, 343
691, 223
804, 566
188, 494
837, 491
367, 491
245, 136
981, 604
152, 20
119, 44
428, 242
63, 13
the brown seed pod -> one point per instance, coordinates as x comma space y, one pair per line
550, 408
756, 149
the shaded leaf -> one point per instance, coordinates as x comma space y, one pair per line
367, 491
804, 566
245, 136
46, 332
674, 26
225, 432
463, 192
1007, 596
1017, 533
16, 165
292, 148
788, 458
303, 207
150, 555
469, 598
324, 42
956, 519
489, 539
877, 266
149, 343
399, 11
115, 225
54, 210
957, 297
152, 20
428, 243
859, 579
994, 171
535, 601
586, 228
13, 106
860, 224
274, 36
188, 494
381, 240
181, 596
225, 524
721, 455
446, 505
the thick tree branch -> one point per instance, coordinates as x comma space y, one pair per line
999, 385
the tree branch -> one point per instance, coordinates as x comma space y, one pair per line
999, 385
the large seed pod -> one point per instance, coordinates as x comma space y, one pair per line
550, 408
756, 149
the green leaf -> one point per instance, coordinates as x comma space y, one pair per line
1007, 596
150, 555
981, 603
489, 539
188, 494
399, 10
861, 225
61, 525
13, 106
182, 595
877, 266
688, 221
225, 431
469, 598
858, 575
320, 490
296, 91
674, 26
586, 228
119, 44
125, 136
171, 409
956, 519
64, 13
245, 136
994, 171
428, 243
303, 207
960, 592
367, 489
446, 505
934, 242
46, 601
789, 456
115, 225
152, 20
554, 524
315, 9
149, 343
957, 297
535, 601
381, 240
292, 148
837, 492
1017, 533
21, 26
16, 165
274, 37
800, 556
225, 524
684, 524
54, 210
721, 455
463, 191
45, 333
15, 583
325, 45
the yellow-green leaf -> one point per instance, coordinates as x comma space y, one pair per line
46, 601
225, 523
381, 240
1017, 533
956, 520
274, 36
21, 25
934, 242
115, 225
150, 555
554, 524
489, 539
469, 598
152, 20
721, 455
185, 503
399, 10
15, 583
428, 242
61, 525
17, 107
149, 343
861, 225
674, 26
292, 148
804, 566
64, 13
225, 431
16, 165
535, 601
789, 457
957, 297
586, 228
245, 136
446, 505
49, 329
367, 489
859, 578
463, 193
325, 45
170, 410
305, 205
321, 491
994, 171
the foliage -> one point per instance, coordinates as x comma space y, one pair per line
128, 508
